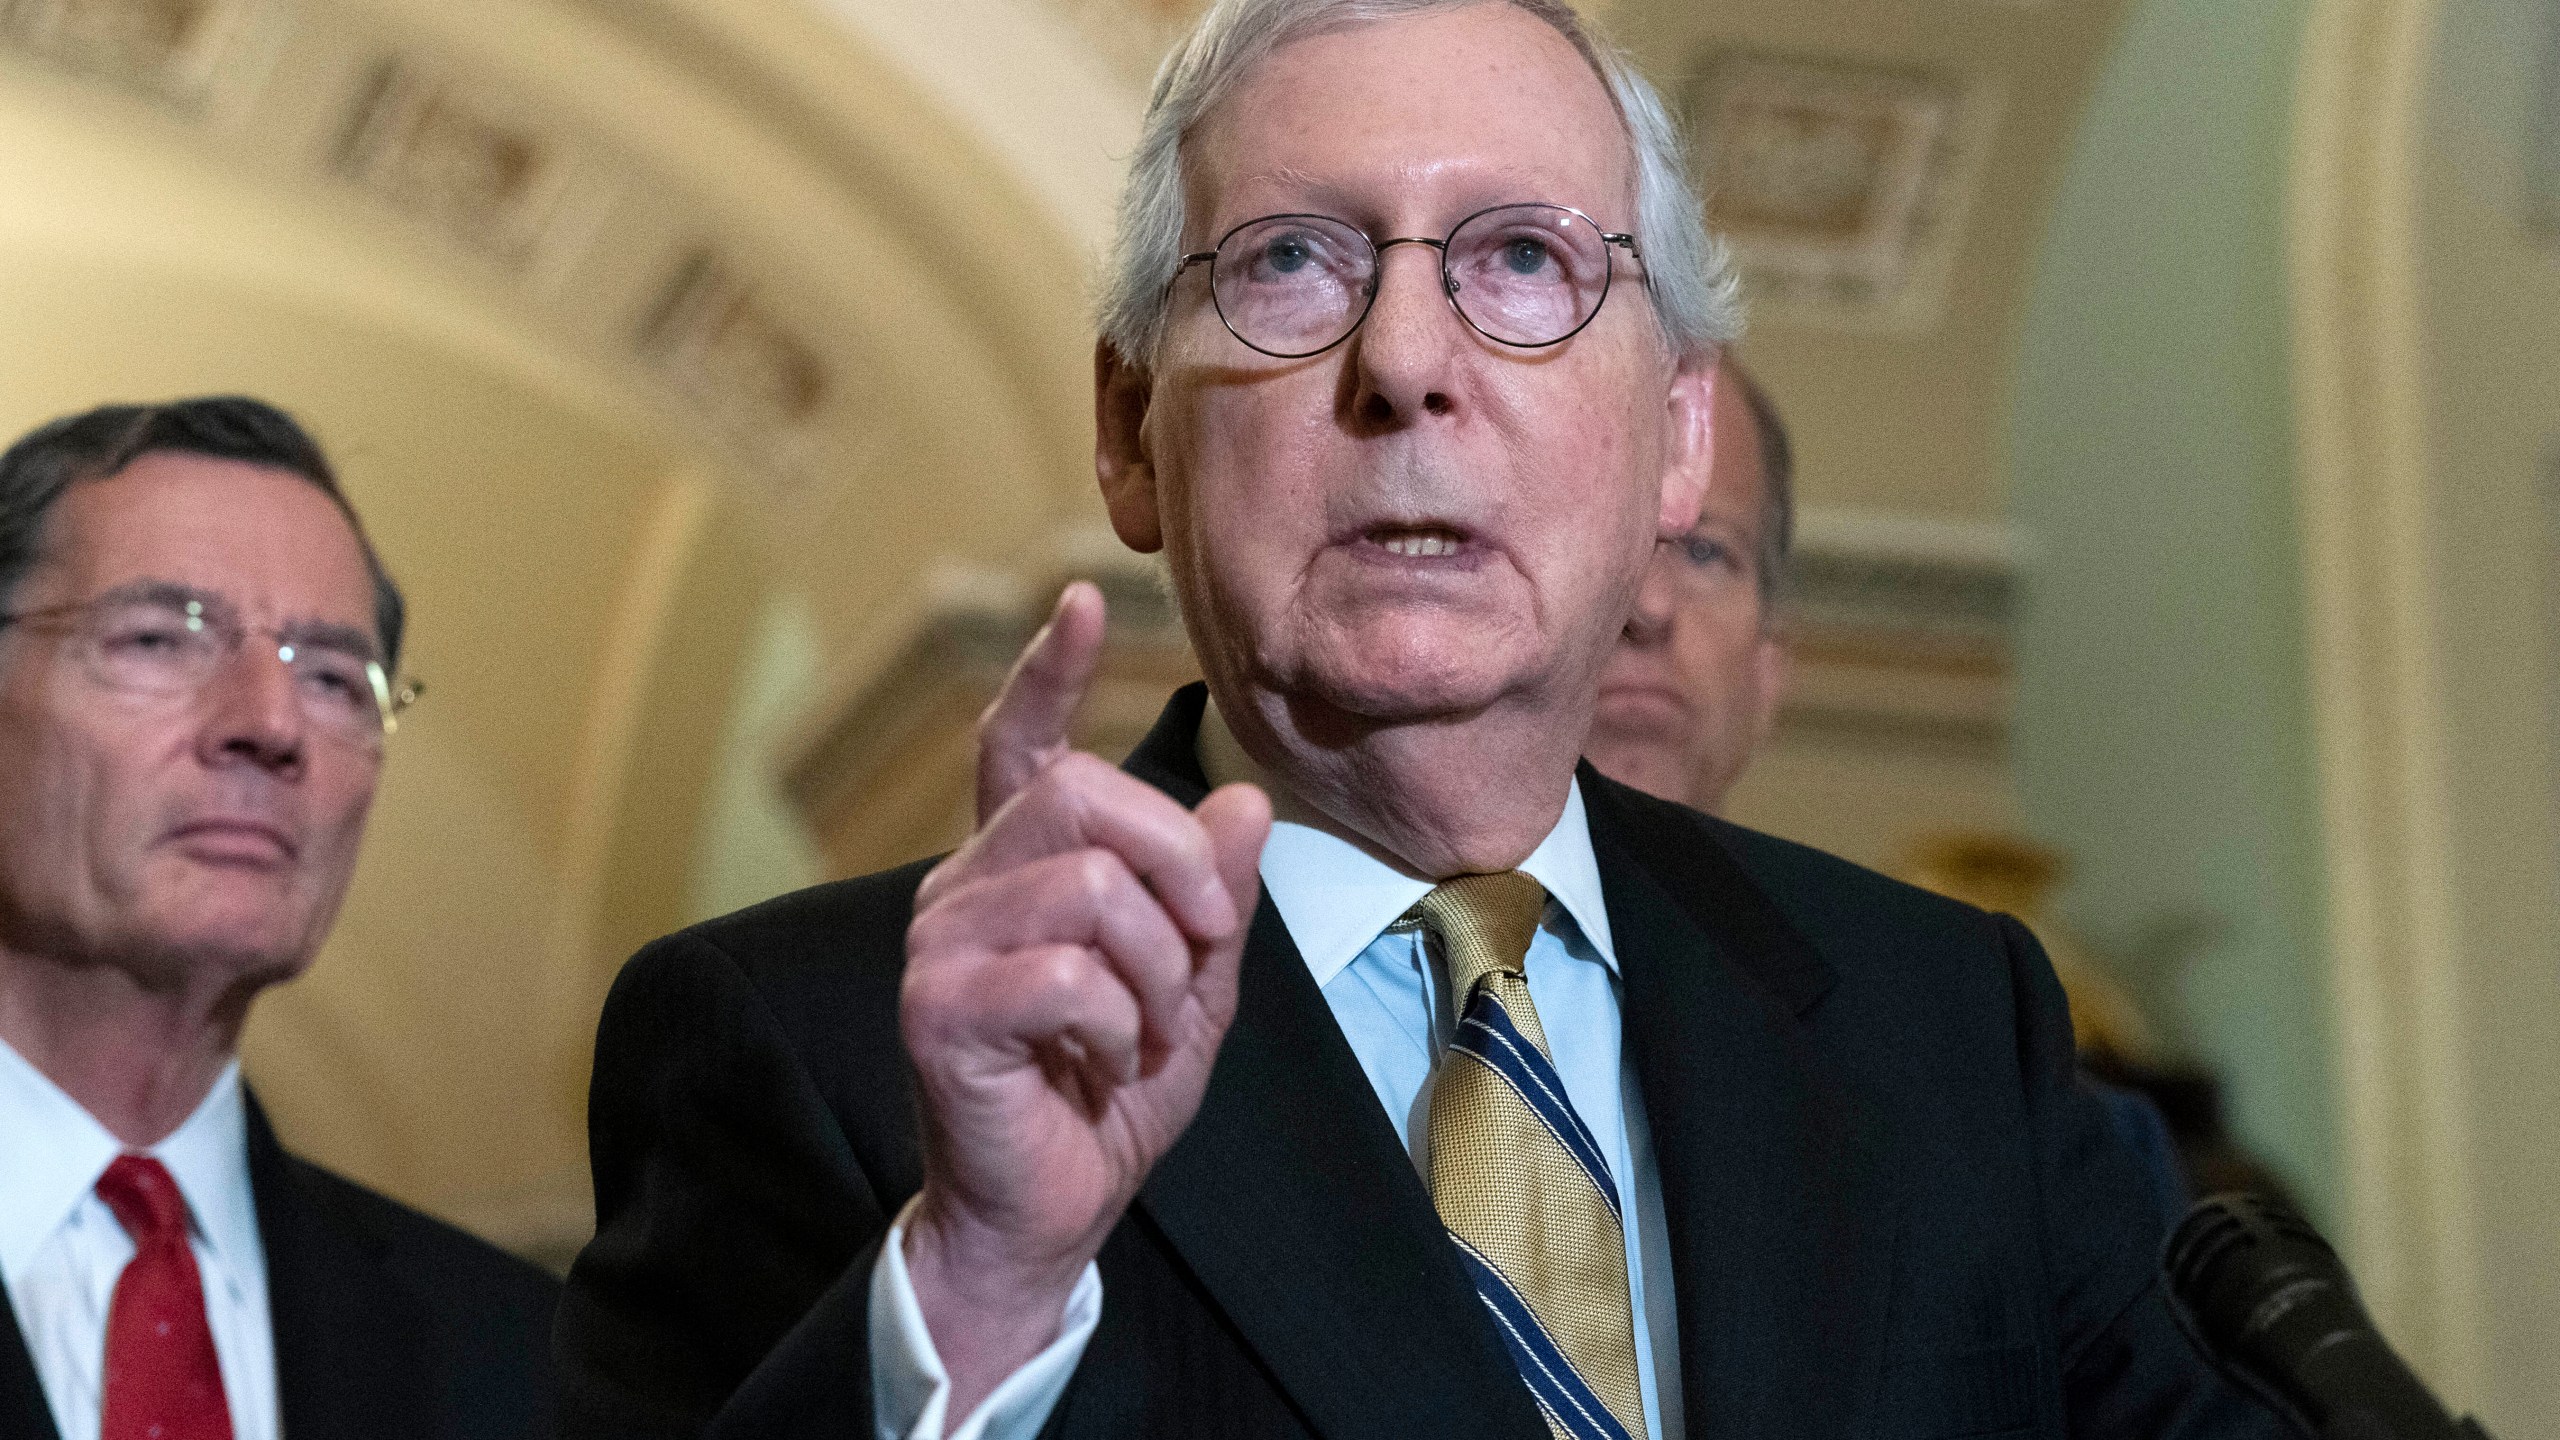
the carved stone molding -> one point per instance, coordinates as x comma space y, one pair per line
2379, 723
888, 771
1950, 605
164, 49
1899, 630
477, 162
1900, 627
454, 160
729, 347
1842, 188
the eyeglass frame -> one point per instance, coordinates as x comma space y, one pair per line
1378, 264
389, 700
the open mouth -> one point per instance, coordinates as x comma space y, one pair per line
1417, 542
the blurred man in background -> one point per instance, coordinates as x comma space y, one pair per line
196, 645
1693, 688
1694, 684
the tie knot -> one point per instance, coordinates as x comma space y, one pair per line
145, 1200
1484, 923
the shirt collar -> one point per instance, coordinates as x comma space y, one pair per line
1336, 893
209, 1158
52, 1152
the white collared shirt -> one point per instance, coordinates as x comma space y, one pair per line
62, 1250
1341, 904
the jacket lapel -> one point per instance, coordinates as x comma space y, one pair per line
350, 1341
1292, 1202
24, 1412
1781, 1223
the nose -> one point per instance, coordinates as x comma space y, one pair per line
252, 715
1657, 600
1402, 354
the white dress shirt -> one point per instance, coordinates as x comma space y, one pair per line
1384, 985
62, 1250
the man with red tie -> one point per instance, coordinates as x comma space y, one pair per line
197, 646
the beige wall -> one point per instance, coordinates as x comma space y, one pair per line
2489, 295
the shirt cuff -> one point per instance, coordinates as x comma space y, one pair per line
911, 1392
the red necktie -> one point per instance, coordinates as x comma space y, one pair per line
163, 1382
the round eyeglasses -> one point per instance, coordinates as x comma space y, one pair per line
168, 641
1527, 276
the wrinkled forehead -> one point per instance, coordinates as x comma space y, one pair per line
266, 539
1413, 120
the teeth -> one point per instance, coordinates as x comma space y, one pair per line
1428, 543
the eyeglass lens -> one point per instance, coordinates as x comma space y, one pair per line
1525, 275
172, 648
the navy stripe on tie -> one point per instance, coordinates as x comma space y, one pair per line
1488, 1034
1558, 1388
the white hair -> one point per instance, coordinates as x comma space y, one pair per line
1687, 274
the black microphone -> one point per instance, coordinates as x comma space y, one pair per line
2266, 1296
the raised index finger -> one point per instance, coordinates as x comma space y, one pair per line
1081, 802
1025, 727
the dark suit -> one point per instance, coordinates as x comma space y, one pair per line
388, 1325
1891, 1212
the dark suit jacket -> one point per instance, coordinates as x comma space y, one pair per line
1891, 1211
388, 1325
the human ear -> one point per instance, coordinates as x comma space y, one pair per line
1121, 390
1688, 449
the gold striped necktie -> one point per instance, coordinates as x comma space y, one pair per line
1518, 1179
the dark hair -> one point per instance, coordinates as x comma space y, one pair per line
1778, 486
96, 444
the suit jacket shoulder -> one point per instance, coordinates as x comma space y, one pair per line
479, 1282
1826, 897
392, 1323
821, 929
751, 1132
2015, 1242
1913, 973
816, 970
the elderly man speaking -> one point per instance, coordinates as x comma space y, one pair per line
1475, 1095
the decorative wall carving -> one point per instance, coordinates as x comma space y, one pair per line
592, 238
725, 345
1842, 188
1943, 586
447, 158
888, 771
165, 49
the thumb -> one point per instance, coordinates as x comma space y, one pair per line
1238, 819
